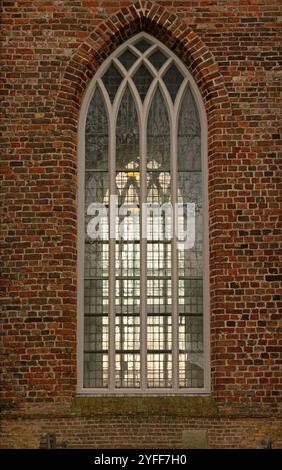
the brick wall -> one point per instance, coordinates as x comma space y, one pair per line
50, 51
140, 432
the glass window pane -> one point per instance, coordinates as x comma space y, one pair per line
127, 327
157, 59
127, 368
142, 45
96, 333
96, 188
96, 134
190, 225
127, 351
142, 80
191, 367
127, 134
127, 59
159, 329
96, 366
159, 370
112, 80
173, 79
190, 254
189, 135
190, 292
96, 268
158, 135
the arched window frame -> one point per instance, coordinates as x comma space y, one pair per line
174, 110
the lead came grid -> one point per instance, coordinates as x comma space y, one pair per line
127, 329
159, 324
190, 262
96, 269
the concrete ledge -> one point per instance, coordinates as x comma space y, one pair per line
164, 405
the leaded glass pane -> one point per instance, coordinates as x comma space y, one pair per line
127, 266
189, 135
190, 292
96, 333
96, 134
159, 329
190, 249
95, 342
112, 80
191, 367
142, 79
127, 132
96, 366
159, 356
142, 45
96, 259
96, 189
173, 79
158, 135
127, 59
157, 59
190, 260
96, 268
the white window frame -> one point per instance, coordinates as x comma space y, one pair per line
173, 119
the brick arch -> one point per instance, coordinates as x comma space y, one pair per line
125, 23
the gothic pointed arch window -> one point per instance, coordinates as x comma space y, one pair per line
143, 264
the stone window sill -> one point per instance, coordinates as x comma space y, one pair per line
153, 405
